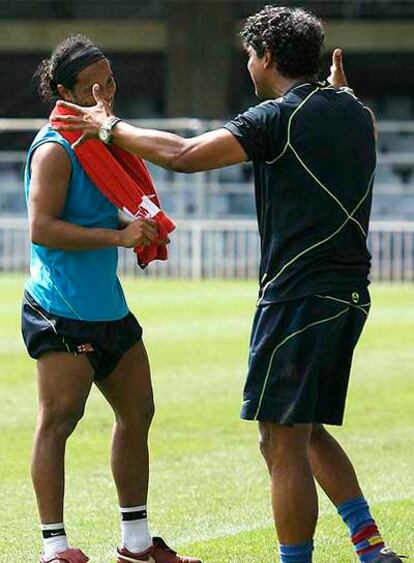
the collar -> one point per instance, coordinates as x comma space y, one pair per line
303, 84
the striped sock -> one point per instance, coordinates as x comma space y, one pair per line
134, 527
368, 543
54, 539
362, 528
299, 553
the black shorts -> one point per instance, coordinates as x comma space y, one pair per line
104, 342
300, 358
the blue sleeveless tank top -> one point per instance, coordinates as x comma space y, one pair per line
83, 284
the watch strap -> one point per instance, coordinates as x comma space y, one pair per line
107, 128
111, 122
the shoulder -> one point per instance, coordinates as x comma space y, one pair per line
349, 93
258, 129
268, 108
270, 105
51, 157
263, 115
357, 106
50, 137
344, 96
51, 150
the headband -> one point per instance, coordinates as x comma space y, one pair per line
74, 63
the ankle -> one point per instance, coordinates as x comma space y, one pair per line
299, 553
134, 528
54, 539
362, 528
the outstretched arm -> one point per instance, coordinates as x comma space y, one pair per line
214, 149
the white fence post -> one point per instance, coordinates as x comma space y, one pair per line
196, 251
223, 249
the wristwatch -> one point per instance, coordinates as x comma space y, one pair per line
105, 132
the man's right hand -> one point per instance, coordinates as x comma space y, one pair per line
141, 232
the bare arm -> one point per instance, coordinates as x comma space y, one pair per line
50, 176
205, 152
214, 149
211, 150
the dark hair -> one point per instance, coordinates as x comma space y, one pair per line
293, 36
67, 60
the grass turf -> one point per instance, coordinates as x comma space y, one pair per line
209, 488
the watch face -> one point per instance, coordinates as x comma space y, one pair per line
104, 135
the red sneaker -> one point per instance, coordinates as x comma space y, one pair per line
67, 556
159, 552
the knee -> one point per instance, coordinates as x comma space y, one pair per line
265, 442
281, 448
59, 420
318, 436
136, 419
144, 416
271, 448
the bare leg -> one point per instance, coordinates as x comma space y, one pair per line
331, 467
129, 392
294, 497
64, 382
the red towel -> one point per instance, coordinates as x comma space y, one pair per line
124, 179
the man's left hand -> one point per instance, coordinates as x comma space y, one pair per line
86, 119
337, 77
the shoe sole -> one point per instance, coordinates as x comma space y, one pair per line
124, 558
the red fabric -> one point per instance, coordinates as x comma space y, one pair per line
124, 179
366, 533
367, 550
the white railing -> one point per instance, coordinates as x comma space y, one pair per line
212, 194
223, 249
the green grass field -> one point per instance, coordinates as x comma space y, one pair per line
209, 489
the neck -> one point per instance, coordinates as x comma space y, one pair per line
282, 84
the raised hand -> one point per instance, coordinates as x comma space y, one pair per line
86, 119
337, 77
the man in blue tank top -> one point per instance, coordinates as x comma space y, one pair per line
76, 322
312, 146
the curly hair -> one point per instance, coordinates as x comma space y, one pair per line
293, 36
46, 72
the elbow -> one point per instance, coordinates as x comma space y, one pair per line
36, 237
38, 233
180, 165
182, 160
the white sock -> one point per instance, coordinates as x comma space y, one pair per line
54, 539
134, 528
